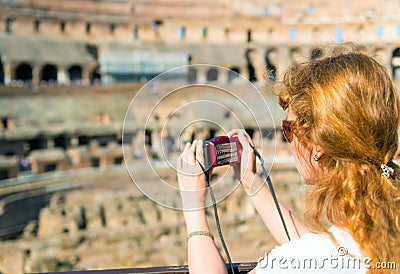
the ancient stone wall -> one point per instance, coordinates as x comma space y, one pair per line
187, 26
85, 129
111, 224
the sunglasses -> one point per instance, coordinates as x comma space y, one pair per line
287, 130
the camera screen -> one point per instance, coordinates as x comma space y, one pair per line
226, 153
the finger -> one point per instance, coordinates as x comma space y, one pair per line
247, 137
237, 132
200, 152
234, 132
244, 141
191, 155
185, 153
179, 163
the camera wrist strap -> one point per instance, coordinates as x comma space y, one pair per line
271, 189
214, 203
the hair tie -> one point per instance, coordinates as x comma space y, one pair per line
387, 171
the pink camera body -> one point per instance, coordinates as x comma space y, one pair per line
222, 150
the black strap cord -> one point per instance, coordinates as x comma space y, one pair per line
271, 189
214, 203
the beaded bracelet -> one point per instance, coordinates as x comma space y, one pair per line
200, 232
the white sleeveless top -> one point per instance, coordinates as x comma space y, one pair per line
316, 253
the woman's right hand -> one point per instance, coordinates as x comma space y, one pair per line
245, 172
191, 177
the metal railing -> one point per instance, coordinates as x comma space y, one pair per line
239, 268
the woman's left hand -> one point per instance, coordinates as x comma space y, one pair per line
191, 177
245, 172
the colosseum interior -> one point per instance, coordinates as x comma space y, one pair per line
69, 71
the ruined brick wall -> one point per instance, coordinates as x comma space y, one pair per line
111, 224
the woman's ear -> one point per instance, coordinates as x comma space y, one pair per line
318, 153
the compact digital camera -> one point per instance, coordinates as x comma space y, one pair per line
222, 150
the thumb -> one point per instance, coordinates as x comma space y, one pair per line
243, 140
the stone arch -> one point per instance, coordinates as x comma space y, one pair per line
95, 76
233, 73
192, 75
395, 64
2, 75
93, 51
269, 63
212, 74
148, 137
75, 73
182, 32
295, 56
49, 73
249, 36
23, 72
250, 66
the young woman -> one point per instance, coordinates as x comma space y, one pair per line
342, 126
